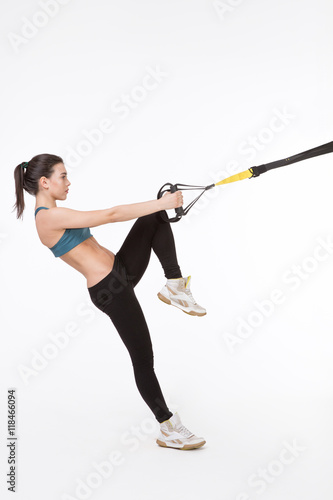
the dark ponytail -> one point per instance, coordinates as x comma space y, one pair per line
27, 177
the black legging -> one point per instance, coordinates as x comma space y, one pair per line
114, 295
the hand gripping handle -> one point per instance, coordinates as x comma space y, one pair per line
179, 211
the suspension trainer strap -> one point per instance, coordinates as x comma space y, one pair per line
247, 174
237, 177
310, 153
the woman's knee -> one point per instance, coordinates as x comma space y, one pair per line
154, 218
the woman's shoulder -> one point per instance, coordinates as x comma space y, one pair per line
48, 235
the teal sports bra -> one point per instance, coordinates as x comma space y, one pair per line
70, 239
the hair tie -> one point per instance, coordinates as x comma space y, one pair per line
24, 164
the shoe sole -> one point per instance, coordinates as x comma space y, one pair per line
185, 447
168, 301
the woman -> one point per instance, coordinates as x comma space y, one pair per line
111, 278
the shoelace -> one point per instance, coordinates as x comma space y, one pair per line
189, 294
183, 431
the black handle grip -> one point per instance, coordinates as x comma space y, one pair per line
164, 215
179, 210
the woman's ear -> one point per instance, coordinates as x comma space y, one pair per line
43, 183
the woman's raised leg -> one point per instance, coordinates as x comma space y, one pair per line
149, 232
152, 232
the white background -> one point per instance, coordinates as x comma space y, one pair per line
228, 69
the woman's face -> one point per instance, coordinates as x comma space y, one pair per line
58, 182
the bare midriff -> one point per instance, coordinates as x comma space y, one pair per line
91, 259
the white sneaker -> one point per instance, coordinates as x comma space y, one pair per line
174, 435
177, 293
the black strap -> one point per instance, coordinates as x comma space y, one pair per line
310, 153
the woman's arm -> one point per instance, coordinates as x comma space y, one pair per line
63, 218
134, 210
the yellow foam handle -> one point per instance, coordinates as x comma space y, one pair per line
237, 177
